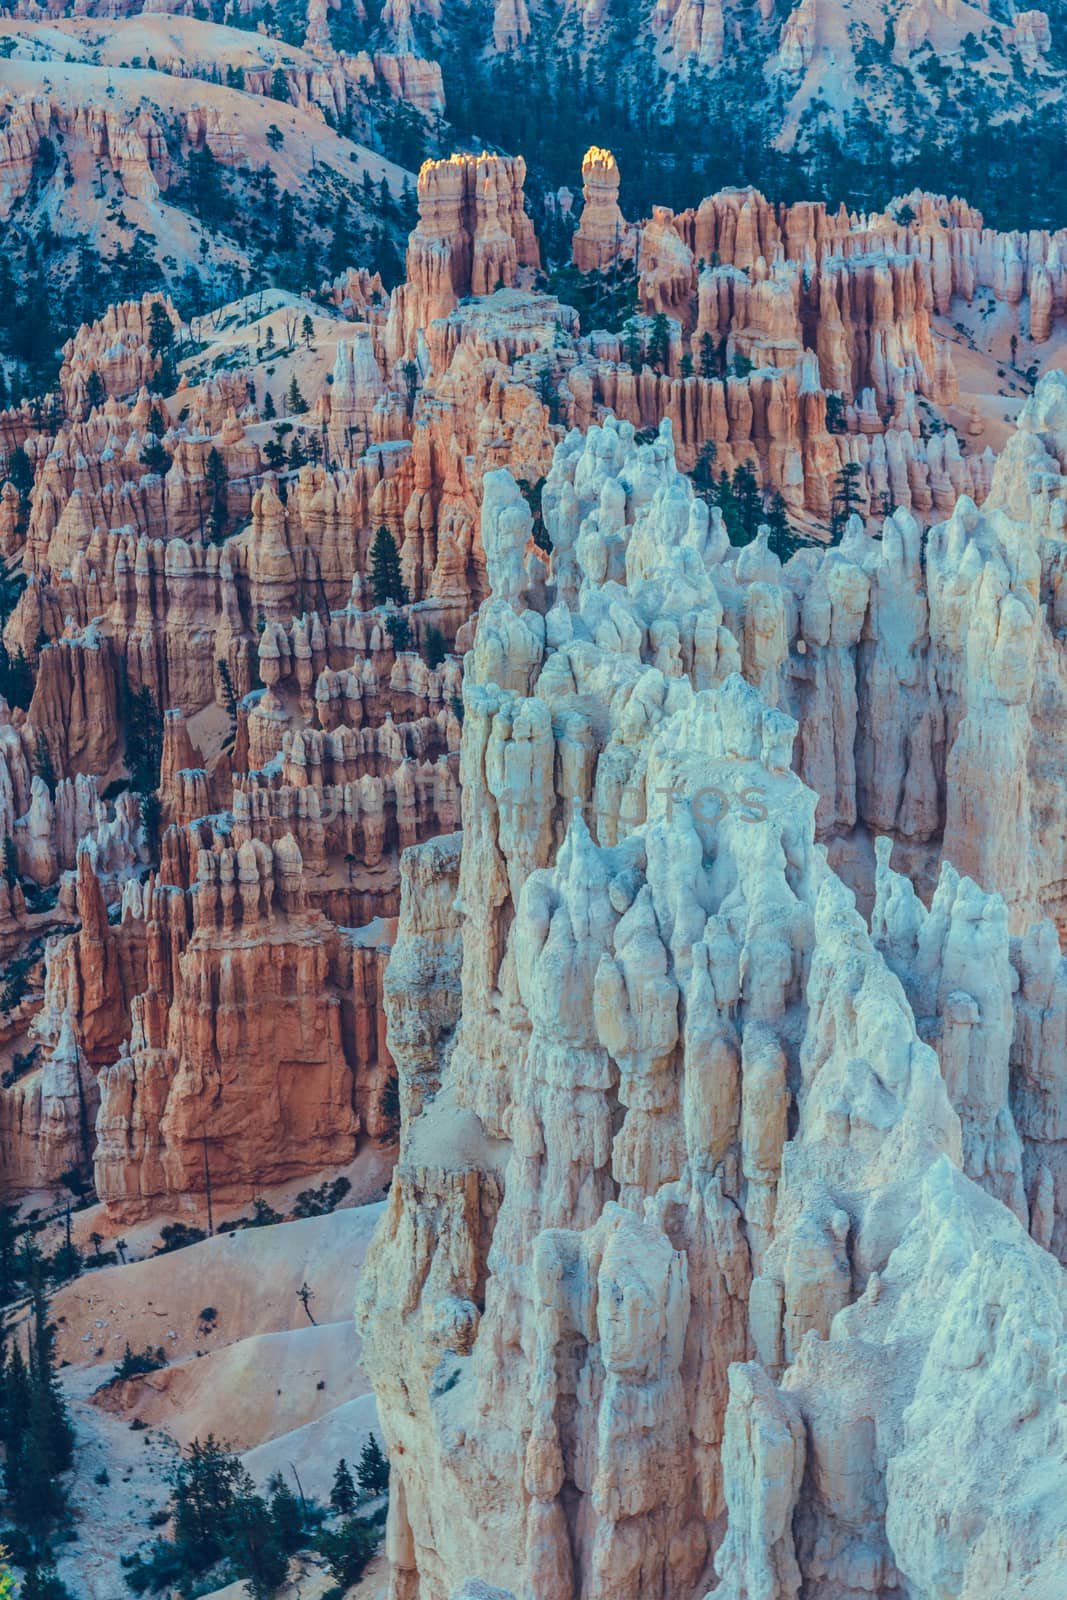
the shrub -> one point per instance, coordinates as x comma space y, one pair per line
435, 647
346, 1551
175, 1236
134, 1364
319, 1202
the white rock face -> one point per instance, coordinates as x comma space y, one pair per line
708, 1246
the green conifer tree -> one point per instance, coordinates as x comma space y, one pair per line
43, 764
373, 1469
343, 1492
386, 579
218, 480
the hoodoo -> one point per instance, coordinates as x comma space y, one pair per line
533, 800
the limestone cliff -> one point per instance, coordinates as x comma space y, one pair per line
682, 1167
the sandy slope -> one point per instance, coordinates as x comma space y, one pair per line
235, 336
248, 1392
834, 78
315, 1449
85, 208
259, 1375
250, 1278
175, 43
308, 1583
307, 137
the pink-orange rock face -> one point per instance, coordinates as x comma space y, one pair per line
116, 348
133, 149
473, 236
603, 234
258, 1048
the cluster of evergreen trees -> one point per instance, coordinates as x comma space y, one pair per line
678, 140
38, 1441
51, 283
224, 1529
746, 508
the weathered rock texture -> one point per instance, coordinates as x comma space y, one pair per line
685, 1140
804, 341
254, 1050
701, 1247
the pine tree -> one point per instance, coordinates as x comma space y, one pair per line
229, 694
386, 579
373, 1469
783, 541
341, 252
287, 1514
435, 647
847, 499
659, 341
218, 483
51, 1426
95, 393
835, 412
206, 1485
703, 475
307, 329
285, 235
748, 500
632, 346
144, 738
20, 473
279, 87
8, 1245
346, 1551
389, 1105
43, 764
295, 402
252, 1543
269, 408
161, 344
160, 329
16, 678
707, 356
11, 586
42, 1582
34, 1426
15, 1407
156, 457
399, 631
343, 1492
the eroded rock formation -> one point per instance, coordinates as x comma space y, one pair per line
685, 1158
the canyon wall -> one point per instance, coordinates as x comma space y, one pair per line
312, 733
685, 1164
